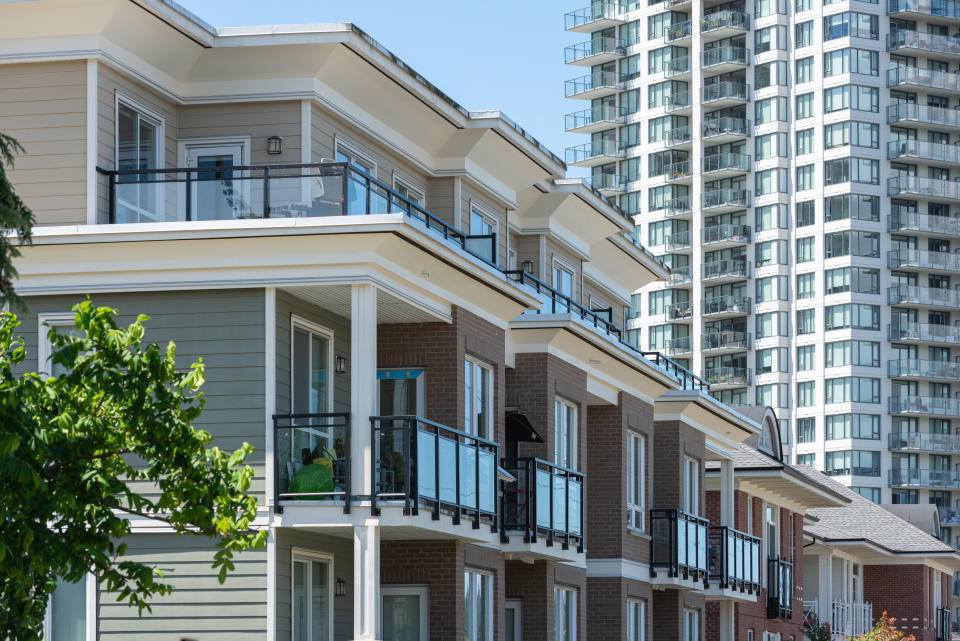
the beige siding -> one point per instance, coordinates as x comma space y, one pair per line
43, 106
259, 120
440, 193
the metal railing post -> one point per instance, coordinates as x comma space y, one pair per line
436, 472
112, 198
266, 192
348, 473
406, 463
476, 489
374, 465
188, 193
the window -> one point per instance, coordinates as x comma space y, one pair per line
855, 462
859, 206
805, 178
806, 285
771, 288
856, 97
691, 623
65, 325
772, 217
565, 614
565, 433
858, 170
478, 606
139, 146
312, 599
862, 426
806, 394
636, 468
807, 459
806, 321
66, 618
478, 398
851, 60
771, 252
852, 279
771, 109
854, 132
806, 357
806, 430
636, 620
804, 33
771, 529
769, 74
806, 249
691, 486
805, 106
769, 181
773, 359
770, 38
803, 5
769, 7
852, 243
806, 213
772, 324
858, 25
852, 389
774, 395
851, 352
405, 189
872, 493
805, 142
770, 145
852, 316
513, 619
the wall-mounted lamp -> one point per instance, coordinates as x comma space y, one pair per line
340, 365
527, 266
340, 587
274, 145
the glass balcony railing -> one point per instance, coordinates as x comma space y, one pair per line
724, 126
904, 111
903, 75
679, 345
722, 55
726, 197
594, 150
606, 182
725, 20
678, 170
679, 544
676, 101
930, 405
679, 31
545, 500
726, 305
925, 332
938, 8
726, 90
598, 115
728, 267
681, 275
593, 47
270, 191
779, 589
722, 161
679, 240
733, 559
312, 458
677, 206
594, 13
554, 302
678, 136
924, 150
923, 187
950, 516
727, 375
678, 66
725, 340
679, 311
914, 477
924, 442
933, 296
608, 80
726, 233
916, 368
923, 259
902, 38
904, 221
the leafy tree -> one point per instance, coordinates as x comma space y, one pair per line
14, 217
883, 630
817, 631
109, 437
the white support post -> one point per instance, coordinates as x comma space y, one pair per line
824, 586
726, 493
363, 381
727, 632
366, 582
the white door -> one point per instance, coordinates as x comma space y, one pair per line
514, 620
217, 193
312, 602
405, 613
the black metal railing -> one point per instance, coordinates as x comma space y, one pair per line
688, 379
545, 498
418, 460
312, 459
942, 629
269, 191
733, 559
555, 302
779, 589
678, 544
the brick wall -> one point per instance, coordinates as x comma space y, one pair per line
533, 583
673, 442
606, 606
668, 613
904, 593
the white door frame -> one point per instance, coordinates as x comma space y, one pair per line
517, 606
212, 143
421, 591
300, 554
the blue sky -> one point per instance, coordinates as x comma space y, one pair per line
503, 54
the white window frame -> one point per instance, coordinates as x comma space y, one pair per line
421, 591
571, 597
488, 587
691, 625
517, 606
44, 348
89, 612
773, 545
474, 364
636, 483
691, 485
636, 619
300, 554
185, 145
488, 217
151, 114
418, 193
349, 149
314, 328
511, 259
560, 264
571, 432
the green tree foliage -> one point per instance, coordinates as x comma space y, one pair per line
109, 439
15, 218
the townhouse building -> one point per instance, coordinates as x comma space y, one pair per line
794, 163
407, 309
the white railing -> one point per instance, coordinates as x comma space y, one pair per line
850, 619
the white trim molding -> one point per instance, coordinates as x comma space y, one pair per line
92, 118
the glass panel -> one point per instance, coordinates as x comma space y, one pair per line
701, 543
426, 473
300, 610
681, 541
68, 611
468, 475
511, 622
488, 481
320, 601
448, 473
559, 503
217, 196
576, 494
398, 397
543, 498
401, 617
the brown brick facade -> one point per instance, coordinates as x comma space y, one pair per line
905, 593
674, 442
607, 606
533, 584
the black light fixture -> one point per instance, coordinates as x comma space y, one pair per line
274, 145
340, 365
340, 587
527, 266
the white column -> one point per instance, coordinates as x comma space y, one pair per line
363, 381
366, 581
727, 632
824, 586
726, 494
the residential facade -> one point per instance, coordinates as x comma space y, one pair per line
406, 308
792, 162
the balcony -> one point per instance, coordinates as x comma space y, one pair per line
923, 259
949, 9
680, 31
929, 187
924, 442
920, 369
545, 501
945, 225
724, 24
924, 478
679, 240
733, 559
678, 103
678, 67
596, 17
678, 137
271, 191
950, 516
902, 76
727, 341
779, 589
679, 311
589, 121
679, 346
687, 379
679, 206
552, 302
595, 51
724, 165
721, 130
933, 152
925, 405
924, 296
726, 377
722, 236
918, 42
679, 545
726, 199
681, 275
725, 59
924, 333
721, 94
606, 184
679, 172
596, 85
312, 460
922, 114
728, 269
849, 619
726, 306
592, 154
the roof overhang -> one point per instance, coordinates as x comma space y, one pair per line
777, 484
868, 553
723, 426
